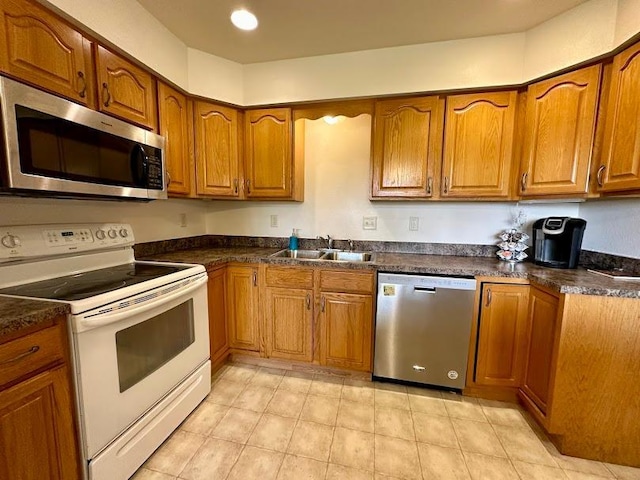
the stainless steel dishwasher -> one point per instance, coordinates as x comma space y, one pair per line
423, 326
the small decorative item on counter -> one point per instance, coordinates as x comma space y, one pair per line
512, 246
293, 239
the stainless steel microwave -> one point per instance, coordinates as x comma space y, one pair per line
56, 147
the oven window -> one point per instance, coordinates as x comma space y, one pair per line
145, 347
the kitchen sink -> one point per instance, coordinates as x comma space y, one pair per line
324, 255
305, 254
348, 256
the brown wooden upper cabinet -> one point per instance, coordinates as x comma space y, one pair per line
174, 118
218, 171
478, 145
559, 133
125, 90
41, 49
406, 148
620, 166
273, 163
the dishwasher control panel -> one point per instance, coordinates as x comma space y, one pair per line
453, 283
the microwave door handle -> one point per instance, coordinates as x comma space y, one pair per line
139, 165
99, 320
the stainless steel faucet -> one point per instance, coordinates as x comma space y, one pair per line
350, 245
329, 240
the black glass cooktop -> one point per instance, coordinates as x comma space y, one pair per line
92, 283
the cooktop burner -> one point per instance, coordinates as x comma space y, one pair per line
92, 283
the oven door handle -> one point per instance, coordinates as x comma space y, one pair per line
101, 319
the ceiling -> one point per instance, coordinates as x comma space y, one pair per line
303, 28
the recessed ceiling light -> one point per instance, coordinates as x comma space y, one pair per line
244, 20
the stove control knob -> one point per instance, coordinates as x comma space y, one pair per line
10, 241
101, 235
113, 234
124, 233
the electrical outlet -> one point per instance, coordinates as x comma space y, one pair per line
369, 223
274, 221
183, 219
414, 224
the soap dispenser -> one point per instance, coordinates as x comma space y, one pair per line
293, 240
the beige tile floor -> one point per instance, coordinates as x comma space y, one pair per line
268, 424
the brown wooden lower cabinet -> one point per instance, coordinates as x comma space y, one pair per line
346, 336
242, 307
37, 412
216, 296
289, 323
543, 319
502, 331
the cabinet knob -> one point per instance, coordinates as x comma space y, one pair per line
599, 175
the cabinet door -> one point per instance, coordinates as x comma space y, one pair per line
242, 307
37, 429
268, 156
289, 322
502, 340
406, 147
478, 145
543, 313
559, 133
173, 110
217, 300
43, 50
346, 330
620, 169
217, 158
125, 90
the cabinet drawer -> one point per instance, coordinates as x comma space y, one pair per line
346, 281
27, 354
290, 277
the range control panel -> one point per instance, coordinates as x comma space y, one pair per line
31, 241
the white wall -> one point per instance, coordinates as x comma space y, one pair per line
215, 77
336, 199
613, 226
157, 220
579, 34
476, 62
627, 20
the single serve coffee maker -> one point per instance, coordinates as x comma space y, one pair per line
557, 241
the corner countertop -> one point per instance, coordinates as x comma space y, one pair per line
19, 313
578, 281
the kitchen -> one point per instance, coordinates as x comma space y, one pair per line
336, 156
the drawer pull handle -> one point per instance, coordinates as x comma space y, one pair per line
235, 186
255, 278
248, 184
523, 181
168, 178
446, 185
322, 304
429, 185
488, 297
308, 301
599, 175
106, 93
83, 91
31, 351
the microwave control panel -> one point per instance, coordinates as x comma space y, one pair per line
21, 242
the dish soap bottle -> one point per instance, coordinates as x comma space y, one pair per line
293, 240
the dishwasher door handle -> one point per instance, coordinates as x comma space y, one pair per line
425, 289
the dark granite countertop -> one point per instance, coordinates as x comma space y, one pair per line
578, 281
18, 313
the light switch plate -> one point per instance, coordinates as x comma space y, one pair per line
414, 224
274, 221
369, 223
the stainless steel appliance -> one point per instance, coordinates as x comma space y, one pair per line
557, 241
423, 326
139, 334
56, 147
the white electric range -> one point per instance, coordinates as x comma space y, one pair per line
139, 334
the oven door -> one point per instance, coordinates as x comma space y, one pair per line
132, 353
